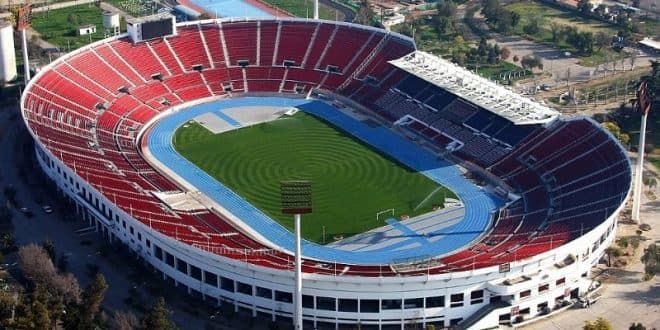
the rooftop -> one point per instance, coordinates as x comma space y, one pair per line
476, 89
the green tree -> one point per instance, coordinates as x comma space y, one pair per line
651, 258
601, 39
555, 29
532, 27
40, 316
636, 326
365, 14
86, 315
49, 247
599, 324
584, 7
531, 61
446, 9
613, 128
158, 317
73, 19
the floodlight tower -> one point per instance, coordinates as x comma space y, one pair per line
297, 200
644, 106
22, 15
316, 9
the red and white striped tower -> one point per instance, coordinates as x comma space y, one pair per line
644, 106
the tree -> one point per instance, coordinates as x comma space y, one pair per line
637, 326
555, 28
35, 263
158, 317
50, 249
505, 52
446, 9
612, 252
599, 324
40, 316
613, 128
601, 39
584, 7
7, 304
125, 321
87, 314
365, 14
531, 61
73, 19
532, 27
651, 258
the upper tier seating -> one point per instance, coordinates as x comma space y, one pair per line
570, 174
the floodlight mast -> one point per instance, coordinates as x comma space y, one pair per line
316, 9
297, 199
644, 105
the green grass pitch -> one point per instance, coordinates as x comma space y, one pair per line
351, 182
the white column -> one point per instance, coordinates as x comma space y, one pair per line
26, 61
639, 172
297, 299
316, 9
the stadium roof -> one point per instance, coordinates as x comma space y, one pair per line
474, 88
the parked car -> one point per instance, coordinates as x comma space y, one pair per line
47, 209
27, 212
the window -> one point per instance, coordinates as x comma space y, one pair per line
211, 279
476, 297
131, 230
560, 281
369, 306
182, 266
307, 301
525, 294
413, 303
437, 301
326, 303
148, 242
140, 237
227, 284
264, 293
544, 287
456, 300
386, 304
283, 296
158, 252
195, 272
244, 288
123, 223
348, 305
169, 259
455, 321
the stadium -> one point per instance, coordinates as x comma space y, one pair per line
173, 146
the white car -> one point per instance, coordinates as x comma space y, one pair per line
47, 208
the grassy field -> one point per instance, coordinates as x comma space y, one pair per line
59, 26
351, 182
544, 15
303, 8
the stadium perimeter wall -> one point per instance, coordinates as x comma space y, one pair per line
194, 269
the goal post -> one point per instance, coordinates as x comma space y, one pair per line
384, 212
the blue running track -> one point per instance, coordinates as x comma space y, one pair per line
478, 204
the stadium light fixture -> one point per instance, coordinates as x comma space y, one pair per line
297, 200
644, 107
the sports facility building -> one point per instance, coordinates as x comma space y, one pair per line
538, 205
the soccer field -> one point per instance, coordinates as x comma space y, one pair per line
351, 181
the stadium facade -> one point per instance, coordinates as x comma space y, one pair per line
564, 180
